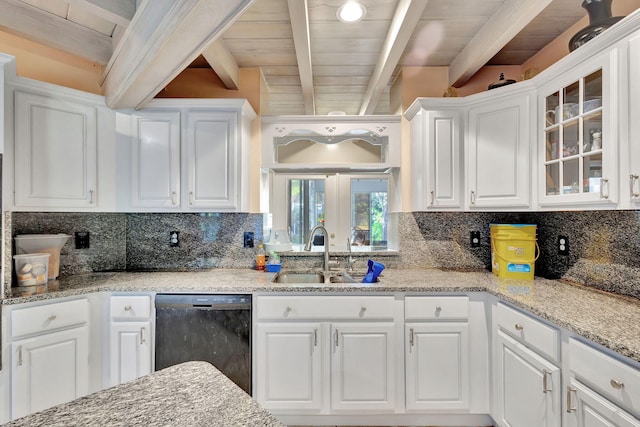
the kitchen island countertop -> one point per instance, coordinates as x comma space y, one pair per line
189, 394
602, 317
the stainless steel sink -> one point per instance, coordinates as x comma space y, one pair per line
298, 277
317, 277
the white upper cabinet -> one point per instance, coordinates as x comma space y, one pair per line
578, 135
631, 184
155, 159
498, 151
186, 155
436, 154
491, 131
55, 152
212, 159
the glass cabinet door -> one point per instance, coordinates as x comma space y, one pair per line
573, 137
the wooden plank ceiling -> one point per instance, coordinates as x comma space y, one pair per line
312, 62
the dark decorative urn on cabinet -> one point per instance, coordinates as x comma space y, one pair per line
599, 20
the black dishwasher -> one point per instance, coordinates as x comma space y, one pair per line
213, 328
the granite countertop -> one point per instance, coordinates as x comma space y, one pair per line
189, 394
604, 318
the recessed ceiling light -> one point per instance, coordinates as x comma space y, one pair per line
351, 11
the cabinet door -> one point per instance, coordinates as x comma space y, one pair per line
48, 370
578, 134
155, 159
130, 351
526, 386
55, 152
436, 160
586, 408
289, 367
212, 152
437, 366
363, 367
499, 153
634, 121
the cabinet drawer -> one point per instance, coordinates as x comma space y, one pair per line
43, 318
131, 307
612, 378
334, 308
436, 308
543, 338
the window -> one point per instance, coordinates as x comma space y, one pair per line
352, 207
369, 201
306, 207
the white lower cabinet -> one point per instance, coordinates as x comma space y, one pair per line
130, 338
309, 362
587, 408
526, 373
48, 370
130, 351
603, 390
49, 360
363, 367
289, 366
527, 386
437, 353
437, 366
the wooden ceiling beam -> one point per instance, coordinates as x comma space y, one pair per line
53, 31
223, 63
403, 24
119, 12
164, 37
299, 17
501, 28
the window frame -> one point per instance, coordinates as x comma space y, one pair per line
337, 204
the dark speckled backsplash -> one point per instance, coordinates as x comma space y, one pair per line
604, 245
140, 241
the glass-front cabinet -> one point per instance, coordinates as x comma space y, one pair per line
578, 138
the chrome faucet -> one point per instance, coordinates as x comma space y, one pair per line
307, 247
350, 260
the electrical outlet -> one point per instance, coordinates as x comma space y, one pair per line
82, 240
174, 239
475, 239
248, 239
563, 245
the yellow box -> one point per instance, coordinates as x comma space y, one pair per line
514, 250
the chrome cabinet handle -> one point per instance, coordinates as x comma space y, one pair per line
52, 318
411, 337
618, 385
519, 327
191, 197
433, 197
174, 198
91, 197
315, 337
337, 338
545, 382
473, 197
438, 309
142, 331
634, 180
603, 183
19, 355
570, 390
287, 311
127, 308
